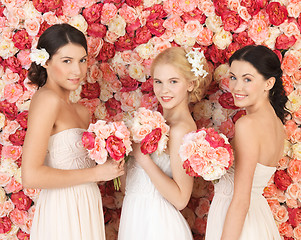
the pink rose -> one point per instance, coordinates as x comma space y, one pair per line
282, 179
297, 232
22, 40
227, 128
12, 92
13, 186
5, 225
285, 229
189, 170
231, 20
18, 137
90, 90
4, 179
18, 217
12, 152
294, 169
88, 140
22, 235
93, 13
258, 30
13, 64
205, 37
284, 42
133, 3
97, 30
115, 147
109, 11
149, 101
290, 64
277, 13
281, 214
150, 143
287, 84
21, 201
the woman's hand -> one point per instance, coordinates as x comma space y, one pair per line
109, 170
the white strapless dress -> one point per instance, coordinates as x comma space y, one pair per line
145, 213
259, 223
71, 213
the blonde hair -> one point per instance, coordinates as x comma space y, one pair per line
176, 56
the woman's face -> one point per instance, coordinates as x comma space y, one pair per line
170, 87
68, 66
247, 85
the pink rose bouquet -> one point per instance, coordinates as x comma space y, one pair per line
206, 153
104, 139
150, 130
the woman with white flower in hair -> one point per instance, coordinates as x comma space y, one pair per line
54, 160
157, 186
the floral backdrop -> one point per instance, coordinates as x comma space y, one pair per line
123, 38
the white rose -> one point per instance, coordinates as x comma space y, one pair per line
145, 50
79, 22
74, 96
222, 39
183, 40
214, 23
117, 25
296, 151
137, 72
7, 48
101, 111
274, 32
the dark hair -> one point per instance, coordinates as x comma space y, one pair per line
267, 63
52, 39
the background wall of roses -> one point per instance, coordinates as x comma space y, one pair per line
123, 37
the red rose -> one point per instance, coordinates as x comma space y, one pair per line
150, 143
220, 6
93, 13
124, 43
262, 3
90, 90
156, 27
142, 35
189, 169
279, 54
133, 3
88, 140
13, 64
196, 14
115, 147
294, 216
5, 225
18, 137
213, 138
22, 40
10, 110
243, 39
251, 5
231, 49
43, 27
231, 20
113, 106
21, 201
299, 22
40, 6
227, 101
213, 88
53, 4
147, 86
284, 42
106, 52
22, 75
1, 11
128, 84
22, 235
22, 119
216, 55
277, 13
132, 27
97, 30
156, 12
238, 115
282, 179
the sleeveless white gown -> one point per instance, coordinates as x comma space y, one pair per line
259, 223
146, 215
71, 213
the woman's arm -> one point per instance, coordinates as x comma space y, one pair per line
246, 148
176, 190
44, 109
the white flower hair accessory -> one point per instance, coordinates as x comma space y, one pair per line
195, 57
39, 56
